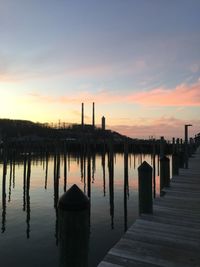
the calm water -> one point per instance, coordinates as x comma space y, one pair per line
29, 215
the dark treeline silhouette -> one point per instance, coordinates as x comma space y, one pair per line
26, 136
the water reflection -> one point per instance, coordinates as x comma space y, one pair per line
3, 227
108, 179
28, 209
126, 185
111, 182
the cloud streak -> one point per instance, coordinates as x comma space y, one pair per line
163, 126
184, 95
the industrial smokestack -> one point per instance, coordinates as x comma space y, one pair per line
103, 123
82, 115
93, 114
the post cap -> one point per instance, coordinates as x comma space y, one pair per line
145, 167
74, 200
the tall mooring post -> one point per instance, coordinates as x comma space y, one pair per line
164, 173
82, 114
162, 146
181, 154
73, 212
175, 157
145, 188
93, 115
186, 145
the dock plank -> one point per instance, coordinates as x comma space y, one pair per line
170, 237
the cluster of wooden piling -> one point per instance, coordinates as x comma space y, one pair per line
180, 154
146, 178
167, 233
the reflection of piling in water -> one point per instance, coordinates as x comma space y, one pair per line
84, 169
24, 183
56, 179
126, 184
88, 172
3, 225
28, 210
13, 169
10, 180
73, 210
126, 167
82, 162
46, 170
69, 161
56, 189
93, 165
103, 163
145, 188
58, 166
111, 182
65, 172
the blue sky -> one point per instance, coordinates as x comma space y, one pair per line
55, 54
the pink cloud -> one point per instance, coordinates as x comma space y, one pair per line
164, 126
86, 97
180, 96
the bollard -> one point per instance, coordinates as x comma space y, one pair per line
145, 188
175, 164
164, 173
73, 215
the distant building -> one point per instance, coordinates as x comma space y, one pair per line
103, 123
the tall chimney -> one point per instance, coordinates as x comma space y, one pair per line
82, 115
103, 123
93, 114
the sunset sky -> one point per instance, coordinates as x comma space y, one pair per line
138, 60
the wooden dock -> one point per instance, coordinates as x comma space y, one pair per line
169, 237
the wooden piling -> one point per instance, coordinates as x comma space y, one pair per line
175, 163
164, 173
145, 188
73, 216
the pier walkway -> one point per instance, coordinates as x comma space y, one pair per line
169, 237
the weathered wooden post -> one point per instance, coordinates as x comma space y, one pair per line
145, 188
73, 215
181, 155
175, 158
186, 145
154, 169
175, 161
173, 145
164, 173
162, 146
